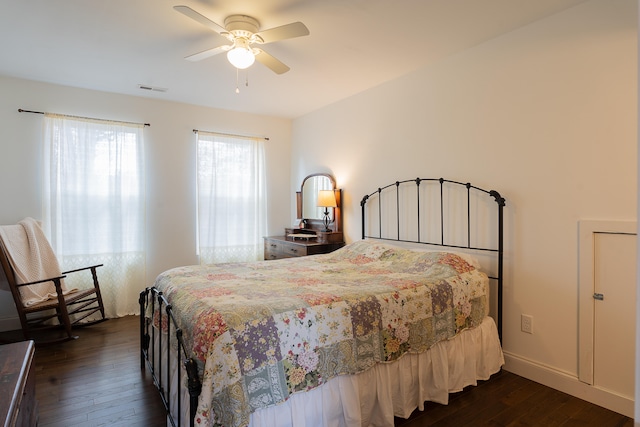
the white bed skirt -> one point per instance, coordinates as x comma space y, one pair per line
372, 398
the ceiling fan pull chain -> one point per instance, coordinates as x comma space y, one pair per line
246, 83
237, 88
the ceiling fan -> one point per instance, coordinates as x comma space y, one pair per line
243, 33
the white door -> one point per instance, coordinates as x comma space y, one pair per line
614, 316
607, 309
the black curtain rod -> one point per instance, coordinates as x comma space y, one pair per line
231, 135
20, 110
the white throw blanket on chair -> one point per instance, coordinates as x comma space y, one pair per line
32, 259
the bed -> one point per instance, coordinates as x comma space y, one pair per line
350, 338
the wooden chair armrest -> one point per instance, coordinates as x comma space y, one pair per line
52, 279
83, 268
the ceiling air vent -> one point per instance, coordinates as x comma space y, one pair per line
153, 88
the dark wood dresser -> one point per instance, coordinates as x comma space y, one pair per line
17, 385
317, 232
278, 247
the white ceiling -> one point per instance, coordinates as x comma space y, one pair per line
115, 45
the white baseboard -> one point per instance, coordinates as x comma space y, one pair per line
568, 383
9, 324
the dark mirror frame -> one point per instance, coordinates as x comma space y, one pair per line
317, 224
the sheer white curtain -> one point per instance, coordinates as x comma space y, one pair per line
94, 206
231, 198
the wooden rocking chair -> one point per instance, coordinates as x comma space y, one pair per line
69, 307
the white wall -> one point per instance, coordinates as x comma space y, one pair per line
546, 115
170, 155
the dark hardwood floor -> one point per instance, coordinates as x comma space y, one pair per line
507, 399
97, 381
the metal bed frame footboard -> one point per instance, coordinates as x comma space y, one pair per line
498, 248
154, 303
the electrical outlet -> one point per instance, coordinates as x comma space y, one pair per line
526, 323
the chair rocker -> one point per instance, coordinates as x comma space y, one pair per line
70, 308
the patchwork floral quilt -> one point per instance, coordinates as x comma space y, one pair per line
261, 331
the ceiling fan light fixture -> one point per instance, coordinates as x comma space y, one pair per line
241, 57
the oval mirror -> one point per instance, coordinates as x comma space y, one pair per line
309, 194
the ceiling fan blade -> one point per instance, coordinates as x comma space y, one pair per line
207, 53
187, 11
270, 62
289, 31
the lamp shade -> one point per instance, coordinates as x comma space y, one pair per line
327, 199
241, 57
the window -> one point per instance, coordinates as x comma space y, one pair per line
94, 203
231, 198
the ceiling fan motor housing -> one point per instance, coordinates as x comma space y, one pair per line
241, 25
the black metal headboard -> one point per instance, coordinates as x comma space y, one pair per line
422, 210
